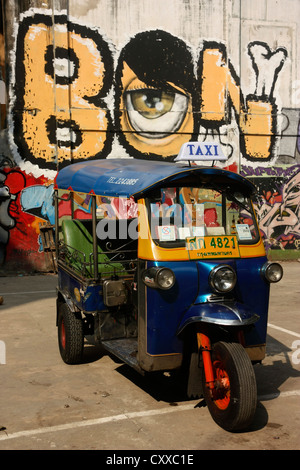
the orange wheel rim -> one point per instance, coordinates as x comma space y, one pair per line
63, 335
221, 392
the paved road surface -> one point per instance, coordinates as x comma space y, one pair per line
102, 404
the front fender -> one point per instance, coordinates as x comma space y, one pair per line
223, 314
64, 298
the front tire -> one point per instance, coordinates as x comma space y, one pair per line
233, 399
70, 335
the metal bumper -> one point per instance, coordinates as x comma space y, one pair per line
223, 314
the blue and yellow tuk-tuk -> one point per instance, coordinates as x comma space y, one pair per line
163, 263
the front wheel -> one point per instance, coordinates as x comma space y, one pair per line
232, 398
70, 335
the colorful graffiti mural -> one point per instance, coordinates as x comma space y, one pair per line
25, 201
278, 205
75, 96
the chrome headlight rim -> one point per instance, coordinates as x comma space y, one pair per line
161, 278
214, 279
155, 277
268, 272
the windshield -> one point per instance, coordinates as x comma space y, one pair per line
175, 214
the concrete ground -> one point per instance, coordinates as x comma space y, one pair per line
103, 404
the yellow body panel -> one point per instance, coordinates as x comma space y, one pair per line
149, 250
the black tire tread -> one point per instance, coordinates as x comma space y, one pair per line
241, 410
73, 351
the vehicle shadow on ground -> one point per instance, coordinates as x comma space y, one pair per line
171, 387
92, 351
166, 387
172, 390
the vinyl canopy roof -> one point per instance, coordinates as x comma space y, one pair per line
127, 177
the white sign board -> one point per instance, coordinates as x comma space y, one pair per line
200, 151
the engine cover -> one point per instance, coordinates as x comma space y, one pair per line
114, 293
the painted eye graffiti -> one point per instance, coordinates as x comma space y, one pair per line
155, 95
151, 103
155, 113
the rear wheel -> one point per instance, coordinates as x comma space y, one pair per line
232, 398
70, 335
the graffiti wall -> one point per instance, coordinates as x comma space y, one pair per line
138, 78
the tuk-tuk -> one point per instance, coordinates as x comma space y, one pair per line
164, 265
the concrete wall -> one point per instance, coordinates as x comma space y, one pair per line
104, 78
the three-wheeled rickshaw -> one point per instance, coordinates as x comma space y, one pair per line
163, 263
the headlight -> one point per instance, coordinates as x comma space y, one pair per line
222, 279
165, 278
273, 272
162, 278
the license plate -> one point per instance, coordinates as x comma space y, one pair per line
213, 247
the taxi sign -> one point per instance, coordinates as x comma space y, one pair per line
213, 247
200, 151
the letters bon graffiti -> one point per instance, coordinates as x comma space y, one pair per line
160, 102
51, 127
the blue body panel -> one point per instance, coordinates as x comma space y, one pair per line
126, 177
173, 309
167, 307
91, 299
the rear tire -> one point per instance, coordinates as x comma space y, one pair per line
70, 335
233, 400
